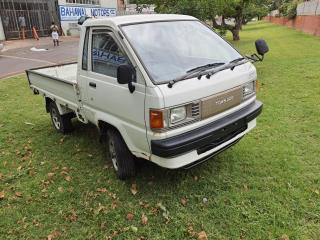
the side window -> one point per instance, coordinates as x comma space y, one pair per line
106, 54
85, 51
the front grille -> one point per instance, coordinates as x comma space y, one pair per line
195, 110
220, 102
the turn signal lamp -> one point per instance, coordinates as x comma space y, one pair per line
156, 119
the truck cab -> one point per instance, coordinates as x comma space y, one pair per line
164, 88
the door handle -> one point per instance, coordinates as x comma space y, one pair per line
91, 84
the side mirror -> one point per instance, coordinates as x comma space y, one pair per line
82, 19
262, 47
126, 74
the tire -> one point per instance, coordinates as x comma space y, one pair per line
121, 157
62, 123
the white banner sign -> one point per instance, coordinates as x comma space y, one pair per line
73, 13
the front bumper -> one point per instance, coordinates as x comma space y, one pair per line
208, 137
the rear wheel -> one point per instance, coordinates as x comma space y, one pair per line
62, 123
120, 155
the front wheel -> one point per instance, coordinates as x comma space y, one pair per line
62, 123
120, 155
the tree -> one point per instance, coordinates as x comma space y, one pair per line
233, 13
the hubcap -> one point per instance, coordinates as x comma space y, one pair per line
55, 118
113, 154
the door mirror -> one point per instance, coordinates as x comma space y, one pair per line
262, 47
126, 74
82, 19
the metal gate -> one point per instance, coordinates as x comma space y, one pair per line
35, 12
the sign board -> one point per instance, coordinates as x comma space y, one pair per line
73, 13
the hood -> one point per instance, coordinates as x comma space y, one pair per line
193, 89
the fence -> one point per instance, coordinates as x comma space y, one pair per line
35, 13
307, 19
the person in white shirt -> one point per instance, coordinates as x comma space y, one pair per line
54, 33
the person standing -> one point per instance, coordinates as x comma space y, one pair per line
22, 25
54, 33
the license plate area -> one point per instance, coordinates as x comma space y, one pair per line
224, 134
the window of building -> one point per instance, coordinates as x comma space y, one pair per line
87, 2
106, 55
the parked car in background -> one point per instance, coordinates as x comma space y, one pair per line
164, 88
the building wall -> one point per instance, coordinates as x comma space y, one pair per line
307, 19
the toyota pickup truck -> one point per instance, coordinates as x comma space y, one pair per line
164, 88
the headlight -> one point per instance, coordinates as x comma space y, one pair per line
249, 89
178, 114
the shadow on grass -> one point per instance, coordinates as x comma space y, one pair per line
146, 171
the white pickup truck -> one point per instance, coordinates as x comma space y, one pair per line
164, 88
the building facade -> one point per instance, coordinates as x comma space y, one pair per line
16, 14
26, 14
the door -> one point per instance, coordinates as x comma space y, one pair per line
108, 100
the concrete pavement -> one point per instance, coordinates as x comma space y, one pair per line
17, 56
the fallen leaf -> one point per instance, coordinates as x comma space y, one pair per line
18, 194
315, 191
144, 219
50, 175
19, 168
1, 175
195, 178
134, 229
284, 237
202, 235
102, 190
114, 205
245, 187
184, 201
205, 200
60, 189
53, 235
130, 216
28, 123
2, 195
68, 178
133, 189
72, 216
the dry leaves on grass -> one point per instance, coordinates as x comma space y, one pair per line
284, 237
2, 195
130, 216
144, 219
202, 235
134, 189
183, 201
55, 234
102, 190
18, 194
72, 216
68, 178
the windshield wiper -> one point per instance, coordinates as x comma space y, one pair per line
231, 65
237, 60
194, 71
210, 65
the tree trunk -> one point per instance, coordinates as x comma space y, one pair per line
235, 34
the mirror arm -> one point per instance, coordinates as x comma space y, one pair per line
255, 58
131, 87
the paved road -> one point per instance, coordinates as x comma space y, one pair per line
17, 60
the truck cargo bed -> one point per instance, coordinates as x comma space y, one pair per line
58, 82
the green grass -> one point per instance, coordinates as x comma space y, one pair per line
265, 187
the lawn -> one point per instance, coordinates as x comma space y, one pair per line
265, 187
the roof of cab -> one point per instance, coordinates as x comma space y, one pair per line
132, 19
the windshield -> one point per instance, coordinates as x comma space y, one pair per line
169, 49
